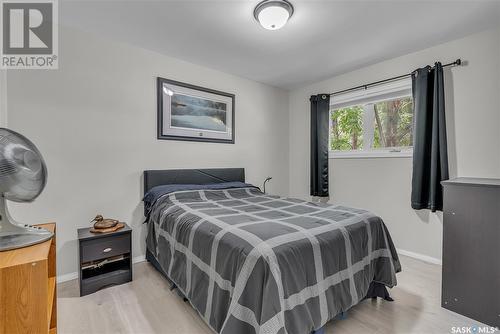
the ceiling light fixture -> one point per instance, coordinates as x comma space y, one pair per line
273, 14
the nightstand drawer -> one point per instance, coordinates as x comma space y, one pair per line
100, 248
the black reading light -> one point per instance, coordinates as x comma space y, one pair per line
267, 179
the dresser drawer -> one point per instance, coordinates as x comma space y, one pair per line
105, 247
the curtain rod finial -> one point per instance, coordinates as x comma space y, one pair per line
458, 62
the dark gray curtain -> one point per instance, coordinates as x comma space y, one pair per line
320, 106
430, 155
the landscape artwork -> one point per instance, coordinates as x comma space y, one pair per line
193, 113
197, 113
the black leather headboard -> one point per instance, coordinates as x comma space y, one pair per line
153, 178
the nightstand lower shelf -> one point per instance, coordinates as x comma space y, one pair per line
98, 282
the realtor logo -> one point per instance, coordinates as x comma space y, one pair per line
29, 34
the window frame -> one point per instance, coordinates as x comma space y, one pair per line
384, 92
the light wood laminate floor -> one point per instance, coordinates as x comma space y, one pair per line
146, 305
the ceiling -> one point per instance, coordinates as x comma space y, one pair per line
322, 39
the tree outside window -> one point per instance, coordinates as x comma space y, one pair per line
378, 125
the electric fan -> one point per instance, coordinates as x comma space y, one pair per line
23, 176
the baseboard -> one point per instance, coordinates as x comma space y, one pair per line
74, 275
67, 277
425, 258
140, 258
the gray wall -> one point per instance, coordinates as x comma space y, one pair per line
383, 184
94, 120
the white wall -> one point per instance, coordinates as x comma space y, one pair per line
383, 185
94, 120
3, 98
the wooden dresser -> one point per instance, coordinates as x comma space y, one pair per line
471, 248
28, 301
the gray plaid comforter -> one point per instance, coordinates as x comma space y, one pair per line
253, 263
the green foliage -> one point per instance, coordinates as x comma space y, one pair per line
392, 125
347, 128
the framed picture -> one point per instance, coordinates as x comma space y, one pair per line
187, 112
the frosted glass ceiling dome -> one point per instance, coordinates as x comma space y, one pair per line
273, 14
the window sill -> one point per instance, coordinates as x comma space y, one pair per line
370, 154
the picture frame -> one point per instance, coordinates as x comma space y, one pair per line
192, 113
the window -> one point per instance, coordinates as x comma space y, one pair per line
376, 122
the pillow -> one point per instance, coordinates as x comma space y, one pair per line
156, 192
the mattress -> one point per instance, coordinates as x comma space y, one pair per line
250, 262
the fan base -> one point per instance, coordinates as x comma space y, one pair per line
17, 236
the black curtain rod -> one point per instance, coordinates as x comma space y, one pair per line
457, 62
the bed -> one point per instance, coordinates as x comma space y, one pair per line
250, 262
